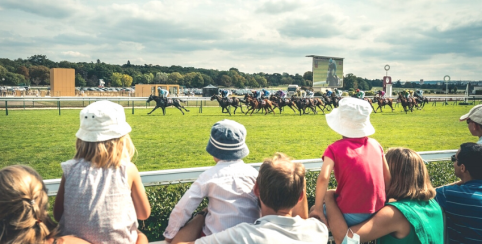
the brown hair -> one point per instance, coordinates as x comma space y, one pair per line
23, 215
410, 179
280, 182
105, 154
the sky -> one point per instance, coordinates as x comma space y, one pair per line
419, 39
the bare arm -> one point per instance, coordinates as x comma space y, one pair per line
59, 201
321, 187
389, 220
190, 232
138, 193
386, 173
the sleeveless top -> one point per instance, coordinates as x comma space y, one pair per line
97, 204
426, 222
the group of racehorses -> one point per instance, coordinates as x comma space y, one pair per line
269, 104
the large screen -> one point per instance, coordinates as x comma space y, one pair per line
327, 71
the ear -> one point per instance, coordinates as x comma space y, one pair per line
256, 189
462, 168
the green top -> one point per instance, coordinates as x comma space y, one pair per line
426, 222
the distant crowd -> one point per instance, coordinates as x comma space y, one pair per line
384, 196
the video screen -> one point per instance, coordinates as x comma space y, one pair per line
327, 72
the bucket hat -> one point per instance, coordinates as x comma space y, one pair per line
475, 114
228, 140
102, 121
351, 119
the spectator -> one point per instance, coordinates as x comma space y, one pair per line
462, 200
280, 187
228, 185
358, 162
101, 195
411, 216
23, 212
474, 121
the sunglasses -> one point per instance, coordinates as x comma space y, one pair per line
453, 158
468, 121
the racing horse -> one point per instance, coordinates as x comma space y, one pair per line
407, 104
382, 102
421, 100
328, 101
303, 104
166, 102
283, 102
226, 102
265, 104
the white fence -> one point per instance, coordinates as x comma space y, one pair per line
172, 176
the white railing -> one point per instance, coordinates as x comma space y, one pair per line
173, 176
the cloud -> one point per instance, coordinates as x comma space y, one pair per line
325, 27
75, 54
47, 8
278, 7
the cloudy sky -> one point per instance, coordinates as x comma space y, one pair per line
419, 39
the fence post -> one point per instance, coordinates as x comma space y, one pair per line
6, 107
24, 104
33, 103
132, 107
58, 104
201, 108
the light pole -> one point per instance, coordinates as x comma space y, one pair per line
446, 80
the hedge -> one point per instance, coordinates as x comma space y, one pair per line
164, 198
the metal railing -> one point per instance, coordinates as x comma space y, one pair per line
173, 176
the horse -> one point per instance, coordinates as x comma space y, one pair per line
320, 104
328, 101
303, 103
421, 100
162, 102
283, 102
382, 102
265, 104
335, 100
226, 102
407, 103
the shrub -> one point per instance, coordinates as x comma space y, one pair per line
369, 93
164, 198
351, 93
344, 94
318, 94
351, 89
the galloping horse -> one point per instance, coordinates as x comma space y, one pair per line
407, 104
265, 104
225, 103
283, 102
328, 101
320, 104
166, 102
382, 102
335, 100
421, 101
303, 103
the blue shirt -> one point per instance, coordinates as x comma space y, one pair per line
480, 140
463, 210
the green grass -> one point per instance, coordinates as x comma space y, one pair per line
43, 139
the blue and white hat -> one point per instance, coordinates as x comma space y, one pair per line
228, 140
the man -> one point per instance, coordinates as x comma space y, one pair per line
224, 93
279, 187
381, 94
419, 93
462, 201
474, 121
266, 93
328, 93
310, 94
163, 92
360, 94
257, 95
337, 93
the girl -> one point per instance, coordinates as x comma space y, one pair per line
101, 195
360, 166
23, 212
412, 216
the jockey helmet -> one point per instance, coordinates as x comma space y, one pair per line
357, 90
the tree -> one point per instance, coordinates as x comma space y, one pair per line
175, 78
98, 61
161, 78
79, 80
23, 71
116, 79
308, 75
126, 80
149, 77
197, 80
261, 81
128, 63
225, 80
14, 79
39, 74
350, 81
3, 72
207, 80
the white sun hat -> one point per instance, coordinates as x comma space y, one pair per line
352, 118
102, 121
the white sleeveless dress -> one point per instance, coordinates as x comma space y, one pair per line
97, 204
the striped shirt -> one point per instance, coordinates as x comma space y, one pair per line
463, 210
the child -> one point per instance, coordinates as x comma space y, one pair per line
23, 212
101, 195
228, 185
361, 170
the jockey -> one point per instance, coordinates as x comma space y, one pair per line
328, 93
224, 93
360, 94
310, 94
256, 94
163, 92
411, 93
381, 94
406, 94
419, 93
266, 93
281, 93
337, 93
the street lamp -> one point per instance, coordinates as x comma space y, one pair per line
446, 80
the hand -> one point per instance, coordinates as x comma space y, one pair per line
317, 214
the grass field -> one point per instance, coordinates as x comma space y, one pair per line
43, 139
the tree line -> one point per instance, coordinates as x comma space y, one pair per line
35, 70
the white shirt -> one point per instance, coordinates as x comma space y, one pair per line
229, 187
272, 229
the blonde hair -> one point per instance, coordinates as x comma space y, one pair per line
23, 215
410, 179
280, 182
105, 154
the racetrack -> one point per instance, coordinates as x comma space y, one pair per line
43, 139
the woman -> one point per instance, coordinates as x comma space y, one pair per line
411, 216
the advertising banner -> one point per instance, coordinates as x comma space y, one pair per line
327, 71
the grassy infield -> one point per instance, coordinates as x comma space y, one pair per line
43, 139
